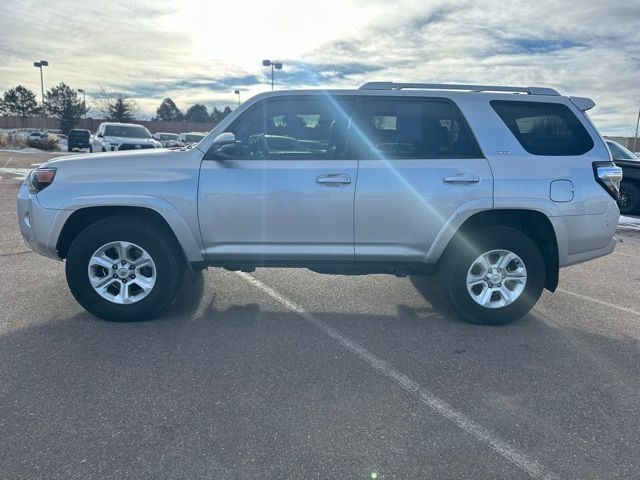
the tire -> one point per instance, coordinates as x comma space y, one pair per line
90, 149
629, 200
461, 257
69, 149
166, 267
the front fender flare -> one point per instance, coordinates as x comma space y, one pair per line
189, 240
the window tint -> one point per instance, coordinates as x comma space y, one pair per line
618, 151
295, 127
418, 128
544, 128
134, 131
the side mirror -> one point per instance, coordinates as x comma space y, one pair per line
223, 148
99, 135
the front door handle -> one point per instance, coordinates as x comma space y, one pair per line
333, 178
462, 179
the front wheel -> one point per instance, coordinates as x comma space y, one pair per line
492, 276
124, 268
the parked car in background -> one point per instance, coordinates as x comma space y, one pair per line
167, 140
40, 135
629, 198
190, 138
274, 184
111, 137
78, 138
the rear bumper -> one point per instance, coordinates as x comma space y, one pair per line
585, 237
40, 227
591, 254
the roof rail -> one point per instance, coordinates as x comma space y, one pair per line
447, 86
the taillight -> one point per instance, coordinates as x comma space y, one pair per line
609, 175
41, 178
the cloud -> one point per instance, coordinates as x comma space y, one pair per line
196, 52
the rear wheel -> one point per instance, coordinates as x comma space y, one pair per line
629, 199
493, 275
124, 268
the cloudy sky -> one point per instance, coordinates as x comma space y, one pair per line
201, 51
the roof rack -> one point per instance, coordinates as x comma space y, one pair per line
446, 86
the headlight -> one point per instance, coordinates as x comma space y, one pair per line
41, 178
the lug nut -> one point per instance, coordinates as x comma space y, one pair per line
115, 267
132, 276
123, 262
124, 280
115, 276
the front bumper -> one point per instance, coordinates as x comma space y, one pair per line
40, 227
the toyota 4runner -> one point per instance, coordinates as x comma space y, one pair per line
493, 189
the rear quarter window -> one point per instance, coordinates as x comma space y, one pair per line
549, 129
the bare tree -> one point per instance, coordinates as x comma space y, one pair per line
117, 106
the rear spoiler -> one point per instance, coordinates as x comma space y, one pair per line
583, 103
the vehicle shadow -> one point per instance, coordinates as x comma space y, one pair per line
426, 285
205, 388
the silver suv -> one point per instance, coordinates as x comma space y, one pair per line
491, 188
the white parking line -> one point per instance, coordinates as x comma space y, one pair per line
484, 435
20, 173
599, 302
8, 161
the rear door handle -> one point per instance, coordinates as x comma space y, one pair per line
462, 179
333, 178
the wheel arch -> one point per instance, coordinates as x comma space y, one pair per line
81, 218
533, 223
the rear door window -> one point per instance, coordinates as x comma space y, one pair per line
544, 128
419, 128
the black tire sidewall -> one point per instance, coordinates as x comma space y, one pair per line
153, 240
461, 258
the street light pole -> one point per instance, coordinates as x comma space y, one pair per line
40, 64
635, 138
274, 65
237, 92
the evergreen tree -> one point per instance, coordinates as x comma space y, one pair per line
197, 113
122, 110
65, 103
168, 111
117, 106
218, 115
19, 101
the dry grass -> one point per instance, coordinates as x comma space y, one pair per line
46, 144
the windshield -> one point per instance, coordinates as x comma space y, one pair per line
133, 131
167, 136
193, 138
618, 151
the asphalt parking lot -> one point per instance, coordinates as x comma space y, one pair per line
292, 374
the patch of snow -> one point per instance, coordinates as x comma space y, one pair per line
632, 223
